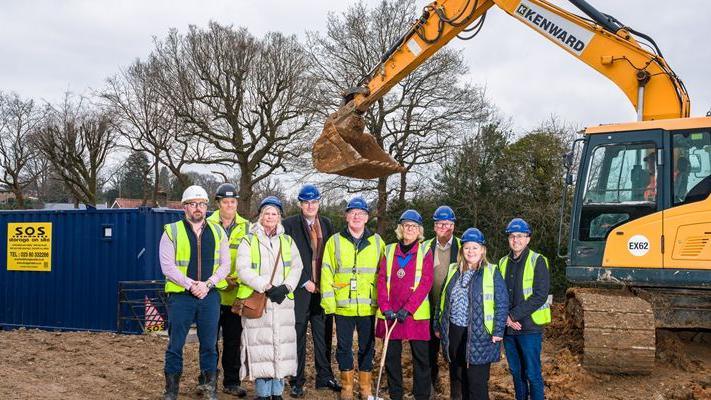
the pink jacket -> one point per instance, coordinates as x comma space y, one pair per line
402, 295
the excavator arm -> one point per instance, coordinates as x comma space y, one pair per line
600, 41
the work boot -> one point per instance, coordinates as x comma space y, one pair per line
347, 385
172, 386
364, 383
235, 390
210, 391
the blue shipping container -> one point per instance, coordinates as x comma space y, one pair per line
92, 250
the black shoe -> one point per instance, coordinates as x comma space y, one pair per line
296, 392
263, 398
277, 397
235, 390
331, 384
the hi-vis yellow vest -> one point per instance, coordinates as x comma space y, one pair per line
179, 236
487, 294
285, 240
227, 297
542, 316
343, 266
423, 311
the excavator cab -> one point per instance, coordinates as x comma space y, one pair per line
345, 149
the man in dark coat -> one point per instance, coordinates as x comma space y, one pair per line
310, 231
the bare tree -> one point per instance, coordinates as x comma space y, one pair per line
148, 125
421, 119
19, 162
248, 98
76, 139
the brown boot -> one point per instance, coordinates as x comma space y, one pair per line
364, 382
346, 385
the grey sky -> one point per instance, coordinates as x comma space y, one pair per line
49, 47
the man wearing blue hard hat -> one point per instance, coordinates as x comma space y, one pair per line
348, 278
444, 247
310, 230
528, 284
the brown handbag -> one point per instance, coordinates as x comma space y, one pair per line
253, 306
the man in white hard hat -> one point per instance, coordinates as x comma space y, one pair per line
195, 259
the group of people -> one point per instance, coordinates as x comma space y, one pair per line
442, 295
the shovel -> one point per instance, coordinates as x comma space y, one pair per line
388, 332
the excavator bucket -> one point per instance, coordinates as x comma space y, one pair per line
345, 149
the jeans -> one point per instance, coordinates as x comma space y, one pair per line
523, 353
183, 310
266, 387
366, 342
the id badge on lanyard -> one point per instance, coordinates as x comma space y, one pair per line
354, 284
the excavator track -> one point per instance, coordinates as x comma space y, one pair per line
618, 330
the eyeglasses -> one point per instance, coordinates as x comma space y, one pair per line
361, 214
444, 224
517, 236
310, 202
410, 226
195, 204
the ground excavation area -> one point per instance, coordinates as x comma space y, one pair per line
76, 365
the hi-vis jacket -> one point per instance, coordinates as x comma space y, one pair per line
542, 315
349, 274
178, 234
228, 296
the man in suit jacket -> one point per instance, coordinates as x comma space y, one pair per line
310, 231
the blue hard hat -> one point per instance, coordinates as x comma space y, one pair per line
411, 215
358, 203
271, 201
309, 192
518, 225
444, 213
473, 235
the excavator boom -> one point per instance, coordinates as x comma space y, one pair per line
603, 43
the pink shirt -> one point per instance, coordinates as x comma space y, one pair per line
166, 254
402, 295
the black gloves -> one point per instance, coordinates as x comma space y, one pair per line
402, 315
277, 294
389, 315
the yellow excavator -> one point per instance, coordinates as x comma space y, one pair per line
639, 236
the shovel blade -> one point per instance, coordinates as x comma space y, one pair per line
345, 149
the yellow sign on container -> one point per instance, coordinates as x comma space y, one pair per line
29, 246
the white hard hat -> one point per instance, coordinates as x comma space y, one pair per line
194, 192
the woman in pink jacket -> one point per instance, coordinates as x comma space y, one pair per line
404, 281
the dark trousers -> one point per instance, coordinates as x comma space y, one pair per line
231, 325
183, 310
523, 353
434, 349
473, 379
322, 335
421, 382
366, 342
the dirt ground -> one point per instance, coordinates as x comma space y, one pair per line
50, 365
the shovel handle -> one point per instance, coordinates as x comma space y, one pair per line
388, 332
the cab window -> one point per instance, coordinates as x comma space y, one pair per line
691, 173
621, 185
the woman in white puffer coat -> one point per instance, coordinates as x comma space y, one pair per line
269, 343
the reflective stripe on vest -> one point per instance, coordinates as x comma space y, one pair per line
179, 236
423, 311
361, 266
245, 291
487, 294
542, 316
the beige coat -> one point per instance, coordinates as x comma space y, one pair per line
269, 343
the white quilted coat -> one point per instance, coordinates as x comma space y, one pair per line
269, 343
